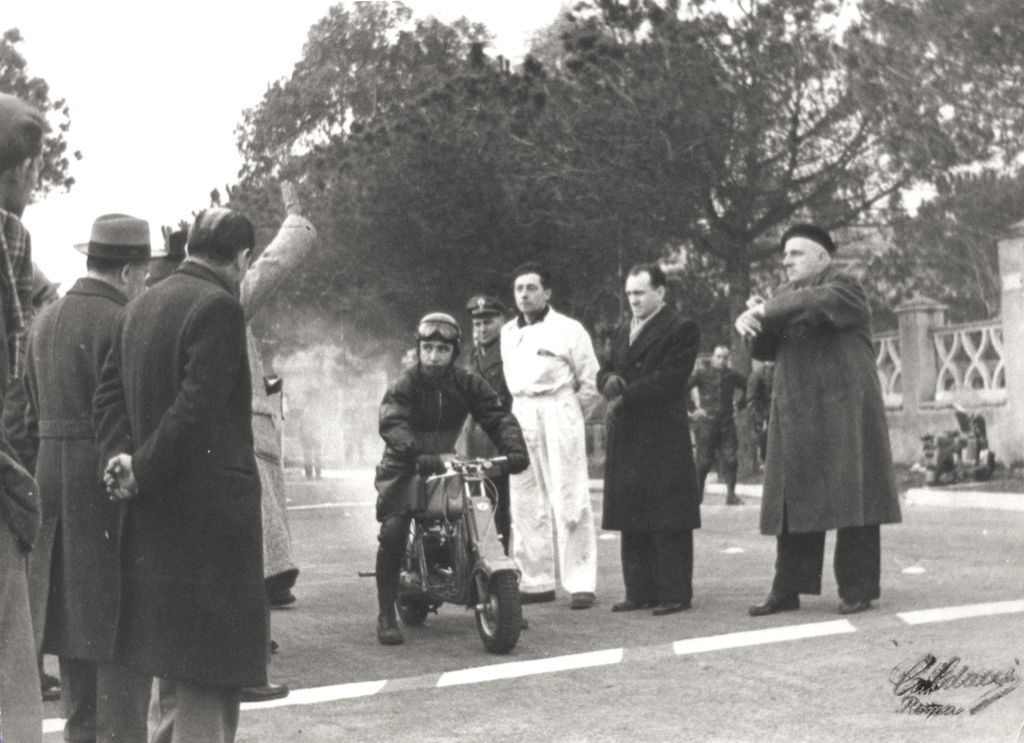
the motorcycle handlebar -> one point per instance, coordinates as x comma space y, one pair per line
476, 466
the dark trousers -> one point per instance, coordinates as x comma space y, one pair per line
716, 436
103, 702
391, 542
658, 566
857, 562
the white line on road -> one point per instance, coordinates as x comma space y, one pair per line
321, 694
521, 668
762, 637
346, 504
950, 613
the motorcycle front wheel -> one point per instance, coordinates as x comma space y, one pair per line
499, 614
411, 610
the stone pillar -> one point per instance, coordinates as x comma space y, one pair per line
917, 316
1011, 272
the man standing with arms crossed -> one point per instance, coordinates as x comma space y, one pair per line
174, 414
829, 464
650, 485
551, 372
76, 576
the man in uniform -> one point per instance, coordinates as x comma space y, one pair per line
759, 402
830, 465
551, 371
713, 389
488, 315
21, 143
76, 576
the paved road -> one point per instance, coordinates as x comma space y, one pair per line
712, 673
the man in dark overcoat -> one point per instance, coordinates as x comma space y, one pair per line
173, 413
829, 462
488, 315
75, 578
650, 483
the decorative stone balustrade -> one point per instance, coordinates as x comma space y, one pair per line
889, 367
969, 360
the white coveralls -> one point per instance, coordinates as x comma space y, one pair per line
551, 370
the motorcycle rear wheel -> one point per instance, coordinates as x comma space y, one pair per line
500, 620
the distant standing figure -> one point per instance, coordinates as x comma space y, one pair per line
650, 484
551, 371
715, 399
829, 464
312, 445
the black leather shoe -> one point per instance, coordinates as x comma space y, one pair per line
629, 605
582, 600
854, 607
536, 598
388, 632
50, 687
734, 500
670, 607
263, 693
774, 603
281, 602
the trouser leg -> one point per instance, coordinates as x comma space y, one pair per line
530, 508
858, 562
199, 713
798, 562
122, 704
672, 564
21, 714
728, 447
394, 533
78, 697
704, 433
637, 567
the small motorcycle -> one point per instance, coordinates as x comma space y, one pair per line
454, 556
956, 456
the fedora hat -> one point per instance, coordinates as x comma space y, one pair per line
118, 237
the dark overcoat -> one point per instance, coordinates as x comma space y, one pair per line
175, 393
69, 342
421, 414
650, 483
829, 463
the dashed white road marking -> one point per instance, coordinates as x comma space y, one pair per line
733, 551
344, 504
950, 613
913, 570
518, 669
521, 668
762, 637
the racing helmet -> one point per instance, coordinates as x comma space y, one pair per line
439, 326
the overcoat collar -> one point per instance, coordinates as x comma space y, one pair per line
95, 288
191, 268
651, 332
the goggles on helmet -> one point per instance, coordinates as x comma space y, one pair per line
438, 328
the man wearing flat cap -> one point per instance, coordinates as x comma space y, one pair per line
829, 464
173, 417
488, 315
74, 570
22, 127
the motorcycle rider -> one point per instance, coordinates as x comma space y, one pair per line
421, 416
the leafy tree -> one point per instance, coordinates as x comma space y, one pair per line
15, 80
949, 250
785, 109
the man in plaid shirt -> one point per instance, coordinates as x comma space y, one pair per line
21, 143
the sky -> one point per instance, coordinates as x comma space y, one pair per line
156, 90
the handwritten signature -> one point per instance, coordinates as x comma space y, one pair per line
933, 687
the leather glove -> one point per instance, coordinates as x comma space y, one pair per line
430, 464
517, 463
613, 387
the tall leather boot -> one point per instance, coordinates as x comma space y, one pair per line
388, 570
731, 499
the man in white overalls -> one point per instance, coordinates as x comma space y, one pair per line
551, 370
